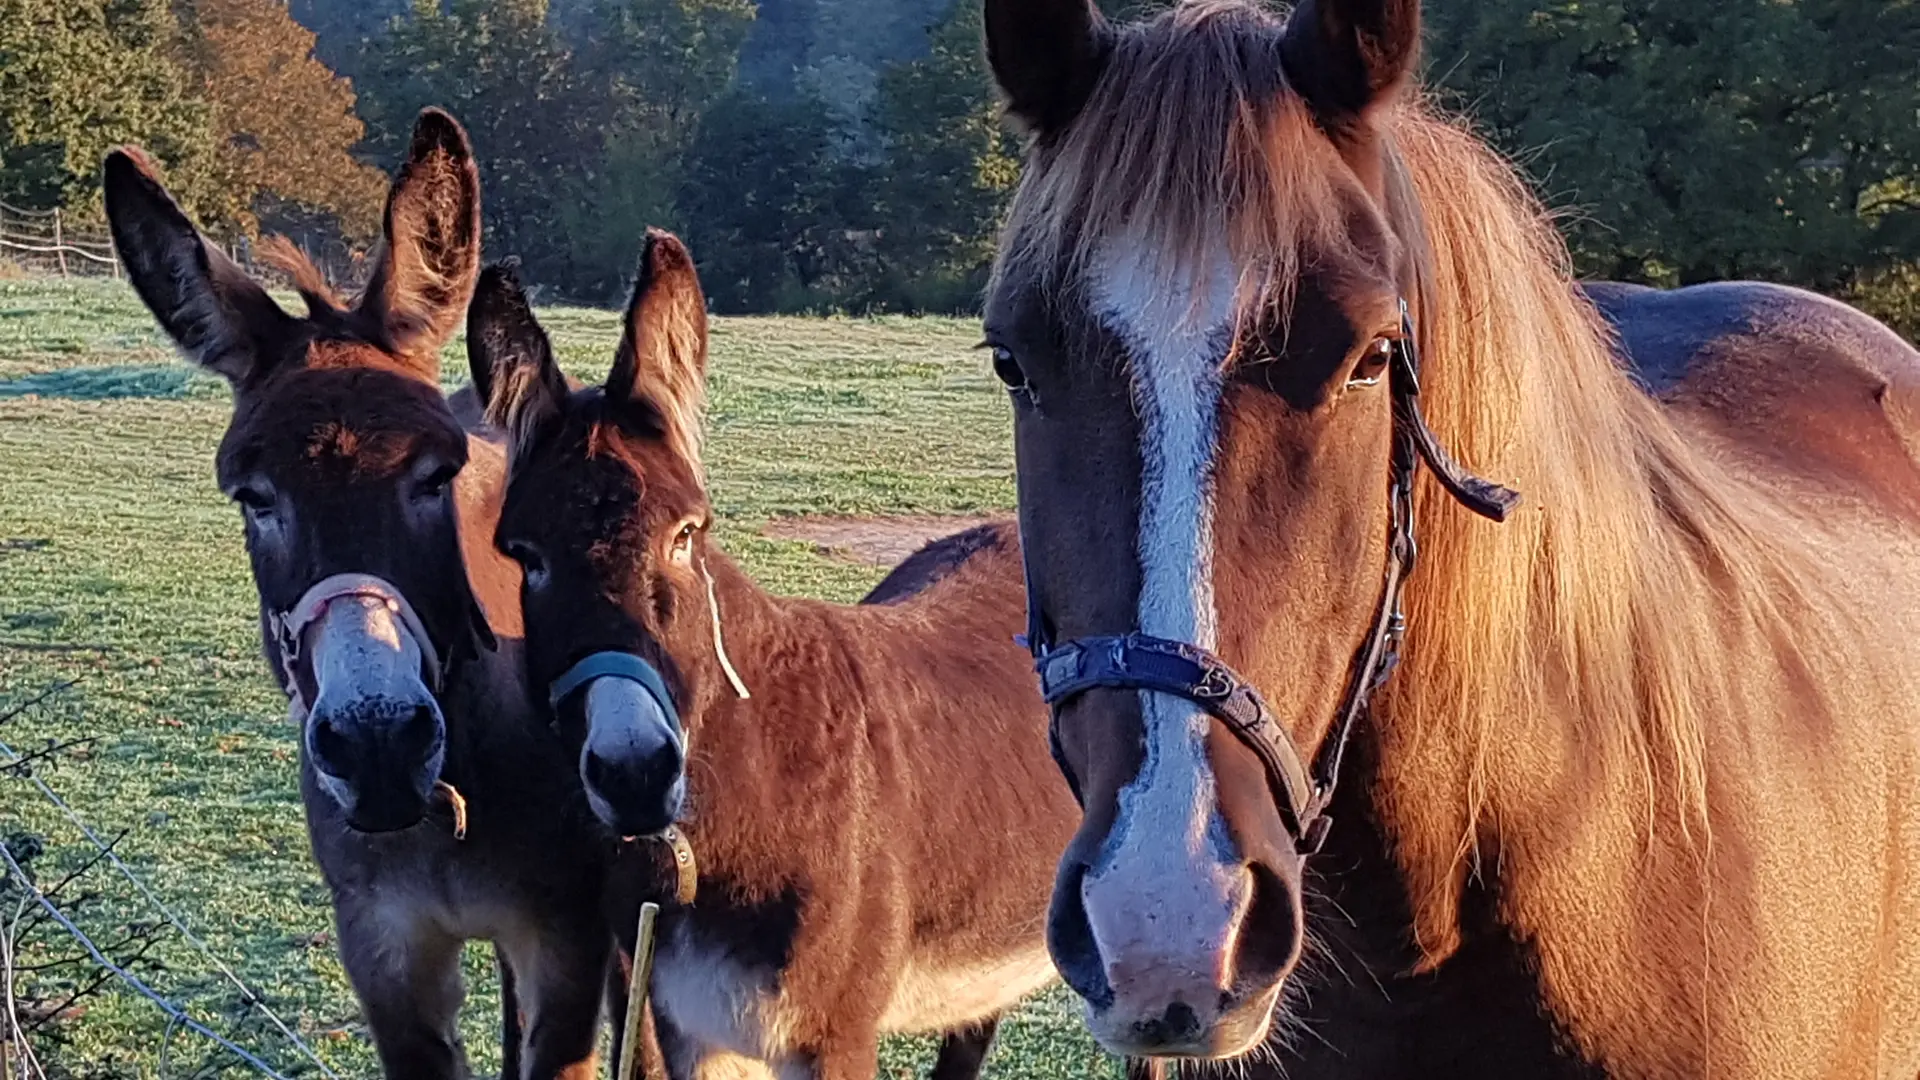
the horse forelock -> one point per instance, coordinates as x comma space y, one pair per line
1192, 134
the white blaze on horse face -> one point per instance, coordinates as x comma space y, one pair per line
1167, 893
627, 730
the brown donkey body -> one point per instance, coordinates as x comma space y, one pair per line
392, 621
1642, 798
867, 787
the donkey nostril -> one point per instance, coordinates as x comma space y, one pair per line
331, 748
421, 730
596, 771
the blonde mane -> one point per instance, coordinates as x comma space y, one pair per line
1592, 624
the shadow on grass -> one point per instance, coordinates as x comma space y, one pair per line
163, 381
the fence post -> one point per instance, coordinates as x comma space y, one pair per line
59, 243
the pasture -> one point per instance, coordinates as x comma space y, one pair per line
121, 567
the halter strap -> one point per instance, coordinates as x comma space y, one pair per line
615, 665
288, 627
1144, 662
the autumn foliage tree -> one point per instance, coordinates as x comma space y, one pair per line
283, 125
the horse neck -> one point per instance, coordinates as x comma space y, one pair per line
1559, 665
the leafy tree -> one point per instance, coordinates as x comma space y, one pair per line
952, 166
283, 124
506, 73
78, 77
771, 210
663, 63
1740, 138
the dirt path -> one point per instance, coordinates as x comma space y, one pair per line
879, 541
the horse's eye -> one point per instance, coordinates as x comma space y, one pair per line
1009, 371
1373, 363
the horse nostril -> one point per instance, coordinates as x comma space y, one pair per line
1270, 938
1179, 1024
1070, 940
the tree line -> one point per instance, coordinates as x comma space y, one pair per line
846, 154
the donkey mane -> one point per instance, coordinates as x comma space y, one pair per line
1591, 625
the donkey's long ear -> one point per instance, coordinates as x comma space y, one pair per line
663, 354
1046, 55
425, 277
514, 372
1347, 56
217, 315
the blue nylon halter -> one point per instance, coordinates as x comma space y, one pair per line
615, 665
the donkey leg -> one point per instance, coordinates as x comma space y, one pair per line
963, 1053
561, 979
407, 976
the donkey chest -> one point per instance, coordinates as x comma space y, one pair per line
718, 1000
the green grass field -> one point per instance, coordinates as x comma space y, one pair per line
121, 567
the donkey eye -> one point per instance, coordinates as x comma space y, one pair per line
683, 540
258, 502
434, 485
1373, 363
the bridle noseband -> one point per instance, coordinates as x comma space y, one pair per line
287, 628
1138, 661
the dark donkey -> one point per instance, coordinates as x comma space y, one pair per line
389, 618
877, 824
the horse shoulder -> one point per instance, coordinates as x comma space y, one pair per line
1800, 382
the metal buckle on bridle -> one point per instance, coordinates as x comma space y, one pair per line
1119, 662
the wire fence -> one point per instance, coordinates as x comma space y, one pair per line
48, 243
39, 906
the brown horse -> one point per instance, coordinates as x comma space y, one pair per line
389, 618
867, 787
1640, 800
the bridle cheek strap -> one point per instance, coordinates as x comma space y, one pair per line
288, 628
1143, 662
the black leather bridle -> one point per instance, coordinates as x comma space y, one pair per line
1138, 661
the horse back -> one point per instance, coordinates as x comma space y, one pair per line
1801, 386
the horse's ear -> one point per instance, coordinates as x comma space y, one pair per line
218, 316
515, 376
425, 276
1347, 56
1046, 55
663, 354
